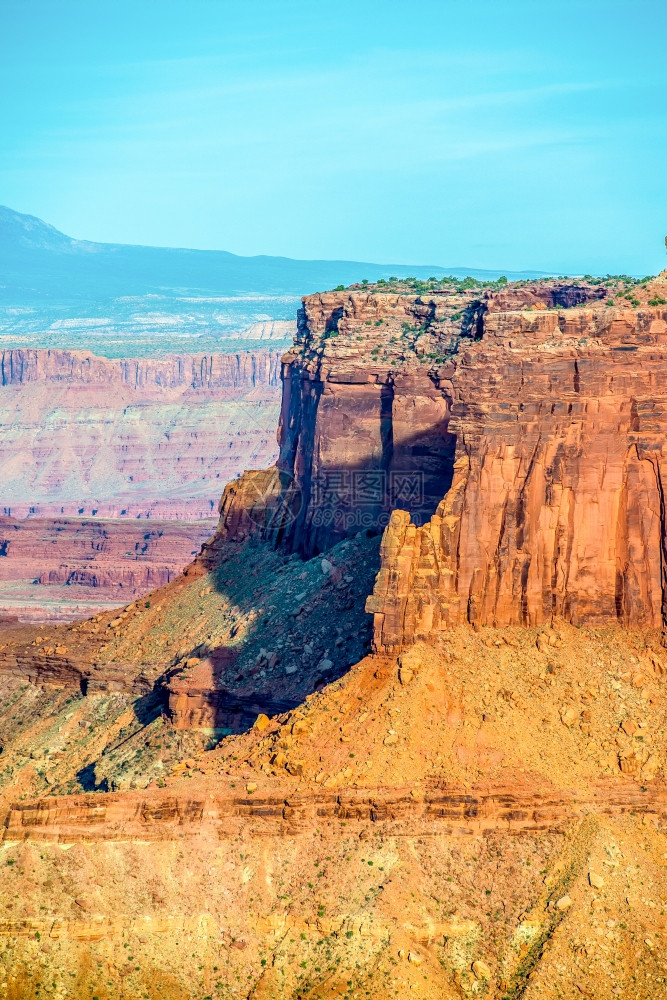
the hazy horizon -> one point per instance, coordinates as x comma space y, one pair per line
491, 136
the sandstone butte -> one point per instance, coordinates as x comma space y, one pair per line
92, 448
330, 760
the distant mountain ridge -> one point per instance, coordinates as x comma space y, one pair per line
118, 300
39, 262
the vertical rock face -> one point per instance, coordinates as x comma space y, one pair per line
353, 448
557, 501
240, 370
363, 425
526, 426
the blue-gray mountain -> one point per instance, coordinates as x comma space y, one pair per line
37, 260
120, 300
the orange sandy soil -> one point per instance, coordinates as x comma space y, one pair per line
542, 891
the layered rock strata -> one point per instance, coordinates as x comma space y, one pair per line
557, 501
520, 430
51, 567
366, 407
482, 813
239, 370
363, 425
439, 810
91, 436
119, 440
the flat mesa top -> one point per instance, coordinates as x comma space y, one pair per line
572, 290
408, 325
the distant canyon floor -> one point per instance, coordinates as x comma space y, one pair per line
327, 761
61, 569
112, 468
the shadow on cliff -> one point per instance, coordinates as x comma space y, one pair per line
88, 779
291, 601
410, 472
301, 587
296, 629
146, 710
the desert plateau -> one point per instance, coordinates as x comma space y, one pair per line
333, 500
398, 730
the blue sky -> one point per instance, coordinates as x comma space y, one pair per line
503, 134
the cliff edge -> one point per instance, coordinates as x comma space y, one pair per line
247, 784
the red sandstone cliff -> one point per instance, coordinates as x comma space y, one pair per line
363, 424
557, 502
241, 370
540, 405
535, 414
64, 568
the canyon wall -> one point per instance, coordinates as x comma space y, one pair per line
526, 429
557, 502
86, 437
513, 440
89, 436
242, 370
360, 432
